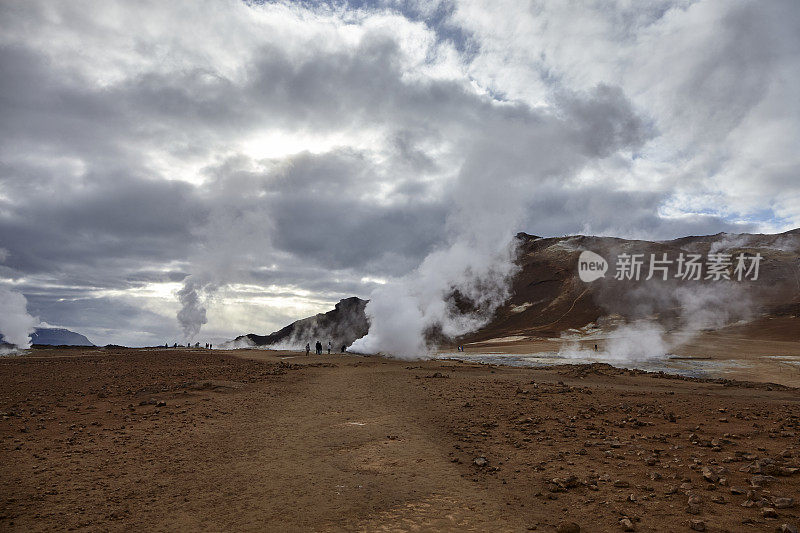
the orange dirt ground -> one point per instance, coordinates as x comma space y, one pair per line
165, 440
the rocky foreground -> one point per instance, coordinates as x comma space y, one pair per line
117, 439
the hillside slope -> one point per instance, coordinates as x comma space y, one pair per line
548, 297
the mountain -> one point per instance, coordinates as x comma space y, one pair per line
59, 337
548, 297
54, 337
342, 326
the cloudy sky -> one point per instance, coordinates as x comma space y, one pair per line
287, 155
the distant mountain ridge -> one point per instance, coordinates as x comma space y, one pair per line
59, 337
56, 337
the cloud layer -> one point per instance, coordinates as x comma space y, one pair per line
288, 155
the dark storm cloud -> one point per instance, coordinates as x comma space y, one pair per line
316, 204
113, 218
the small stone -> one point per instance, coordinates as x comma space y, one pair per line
627, 525
693, 509
480, 461
568, 527
760, 481
787, 528
783, 503
697, 525
709, 475
621, 484
769, 512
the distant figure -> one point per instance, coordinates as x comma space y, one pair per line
308, 349
330, 345
166, 345
344, 348
210, 346
595, 347
197, 344
319, 348
175, 345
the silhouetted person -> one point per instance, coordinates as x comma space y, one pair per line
308, 349
319, 348
595, 347
175, 345
210, 346
330, 345
344, 348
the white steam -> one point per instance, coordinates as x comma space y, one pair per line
232, 231
495, 185
237, 344
699, 307
192, 314
16, 324
635, 342
403, 312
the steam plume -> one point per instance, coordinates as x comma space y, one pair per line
494, 186
232, 230
700, 307
16, 324
192, 314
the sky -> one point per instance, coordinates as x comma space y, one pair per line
278, 157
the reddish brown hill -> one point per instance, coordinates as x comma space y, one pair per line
548, 297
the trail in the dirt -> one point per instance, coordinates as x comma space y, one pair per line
343, 448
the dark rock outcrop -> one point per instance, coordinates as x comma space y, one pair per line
342, 326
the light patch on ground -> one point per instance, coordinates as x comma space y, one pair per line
521, 308
434, 513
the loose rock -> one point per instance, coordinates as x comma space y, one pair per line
697, 525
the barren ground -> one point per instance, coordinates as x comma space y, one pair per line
137, 439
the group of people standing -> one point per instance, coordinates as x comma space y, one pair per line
318, 348
189, 345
